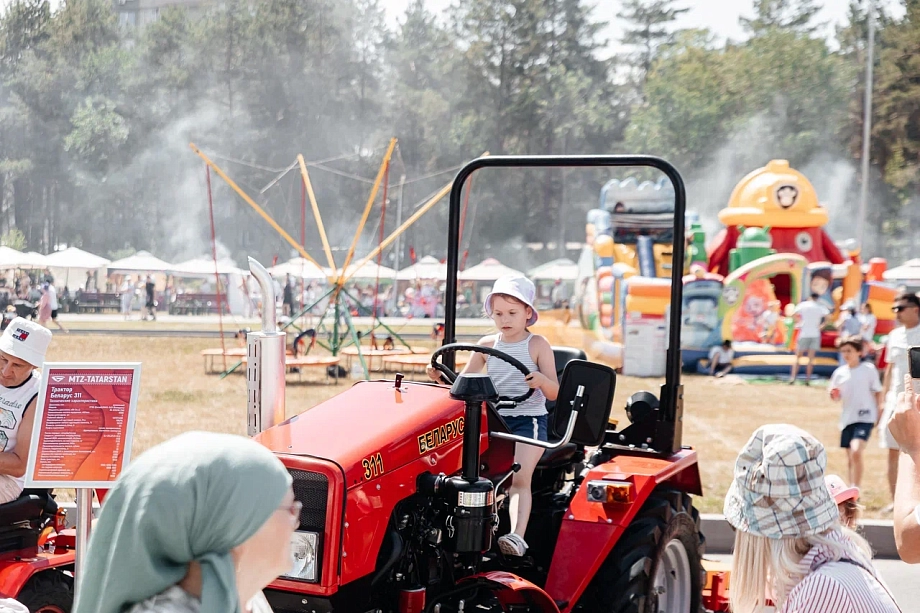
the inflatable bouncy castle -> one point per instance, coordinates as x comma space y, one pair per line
773, 253
623, 275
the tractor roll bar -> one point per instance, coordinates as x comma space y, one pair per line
569, 429
671, 393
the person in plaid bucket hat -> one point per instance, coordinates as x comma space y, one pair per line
778, 489
791, 550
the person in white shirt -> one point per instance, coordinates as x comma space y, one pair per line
52, 296
857, 386
905, 429
848, 323
720, 359
22, 350
810, 317
907, 310
867, 325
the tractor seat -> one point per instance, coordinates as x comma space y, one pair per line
553, 458
30, 505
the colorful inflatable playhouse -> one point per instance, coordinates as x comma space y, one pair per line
623, 267
773, 252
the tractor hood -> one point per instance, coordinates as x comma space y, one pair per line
368, 419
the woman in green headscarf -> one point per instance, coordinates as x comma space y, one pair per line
198, 524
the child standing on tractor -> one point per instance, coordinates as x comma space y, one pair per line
510, 305
857, 386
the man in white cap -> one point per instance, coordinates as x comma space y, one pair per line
22, 350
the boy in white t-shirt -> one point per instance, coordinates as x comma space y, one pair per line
720, 359
906, 335
857, 385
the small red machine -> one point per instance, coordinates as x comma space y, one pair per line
36, 553
404, 484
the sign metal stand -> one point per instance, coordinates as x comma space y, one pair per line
84, 426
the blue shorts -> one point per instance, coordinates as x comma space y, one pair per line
525, 425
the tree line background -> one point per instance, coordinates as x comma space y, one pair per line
95, 118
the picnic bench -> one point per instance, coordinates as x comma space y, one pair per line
233, 356
97, 302
351, 352
416, 362
303, 362
197, 304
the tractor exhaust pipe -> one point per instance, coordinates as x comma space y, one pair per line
265, 351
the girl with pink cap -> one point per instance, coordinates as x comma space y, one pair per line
510, 305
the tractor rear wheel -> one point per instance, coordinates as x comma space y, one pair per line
50, 591
656, 566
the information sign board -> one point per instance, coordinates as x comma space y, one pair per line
84, 424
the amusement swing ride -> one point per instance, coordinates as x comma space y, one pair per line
342, 332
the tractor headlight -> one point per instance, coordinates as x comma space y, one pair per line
303, 549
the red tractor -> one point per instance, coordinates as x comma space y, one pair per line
36, 554
404, 484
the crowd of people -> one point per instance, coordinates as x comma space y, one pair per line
797, 546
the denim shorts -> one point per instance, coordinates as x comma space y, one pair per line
526, 425
808, 344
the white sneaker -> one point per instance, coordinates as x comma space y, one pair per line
512, 544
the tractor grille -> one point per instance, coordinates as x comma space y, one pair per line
311, 489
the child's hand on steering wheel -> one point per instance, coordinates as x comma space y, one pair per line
536, 380
434, 374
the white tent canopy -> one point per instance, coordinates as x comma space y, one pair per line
488, 270
34, 259
10, 258
204, 267
426, 268
299, 268
368, 271
72, 265
908, 271
563, 268
72, 257
142, 261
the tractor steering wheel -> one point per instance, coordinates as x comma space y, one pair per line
451, 376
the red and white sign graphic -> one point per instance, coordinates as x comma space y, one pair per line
84, 424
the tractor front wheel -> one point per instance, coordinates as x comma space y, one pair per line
656, 566
50, 591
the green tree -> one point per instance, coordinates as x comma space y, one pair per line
692, 102
649, 27
895, 131
796, 15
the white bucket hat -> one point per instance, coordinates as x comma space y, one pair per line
516, 286
26, 340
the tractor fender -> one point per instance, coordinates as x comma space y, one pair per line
14, 574
511, 589
590, 530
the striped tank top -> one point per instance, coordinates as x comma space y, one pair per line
13, 403
509, 381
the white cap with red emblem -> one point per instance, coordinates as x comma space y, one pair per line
26, 340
